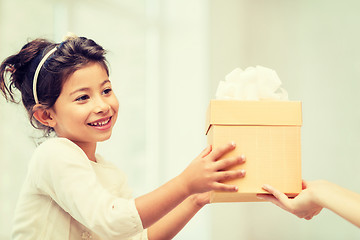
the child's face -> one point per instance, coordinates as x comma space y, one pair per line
87, 108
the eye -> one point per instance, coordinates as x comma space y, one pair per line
82, 98
107, 91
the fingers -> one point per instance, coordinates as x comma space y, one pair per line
220, 151
283, 200
299, 206
225, 175
228, 162
272, 199
219, 165
222, 176
317, 211
312, 214
224, 187
206, 151
229, 175
304, 184
279, 195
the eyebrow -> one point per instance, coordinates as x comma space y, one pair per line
85, 89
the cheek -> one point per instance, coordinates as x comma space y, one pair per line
115, 103
77, 116
115, 108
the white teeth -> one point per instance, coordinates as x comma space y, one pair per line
98, 124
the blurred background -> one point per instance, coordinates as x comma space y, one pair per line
167, 58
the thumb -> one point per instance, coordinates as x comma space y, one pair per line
206, 151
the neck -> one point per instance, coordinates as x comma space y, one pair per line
89, 149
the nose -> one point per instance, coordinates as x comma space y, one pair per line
101, 106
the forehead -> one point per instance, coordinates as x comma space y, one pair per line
90, 75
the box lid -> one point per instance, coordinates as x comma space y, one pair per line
256, 113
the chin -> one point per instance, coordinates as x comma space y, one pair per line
105, 138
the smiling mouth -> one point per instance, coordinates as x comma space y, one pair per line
100, 123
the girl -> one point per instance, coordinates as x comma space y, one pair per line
72, 193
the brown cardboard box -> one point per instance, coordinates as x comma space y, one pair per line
268, 134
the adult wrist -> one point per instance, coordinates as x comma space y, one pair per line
320, 192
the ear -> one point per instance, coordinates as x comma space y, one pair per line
44, 116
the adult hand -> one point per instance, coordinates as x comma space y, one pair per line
304, 205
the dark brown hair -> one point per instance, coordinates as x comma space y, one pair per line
17, 71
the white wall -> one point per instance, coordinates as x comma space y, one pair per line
314, 47
167, 58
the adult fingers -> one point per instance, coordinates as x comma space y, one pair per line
272, 199
310, 215
317, 211
283, 199
304, 184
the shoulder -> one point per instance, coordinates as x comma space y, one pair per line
58, 149
54, 146
55, 159
58, 152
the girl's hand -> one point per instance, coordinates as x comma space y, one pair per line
208, 171
304, 205
201, 199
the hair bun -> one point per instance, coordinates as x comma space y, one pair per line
69, 36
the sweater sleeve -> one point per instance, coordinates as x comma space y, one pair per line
63, 172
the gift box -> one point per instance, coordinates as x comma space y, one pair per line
268, 133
